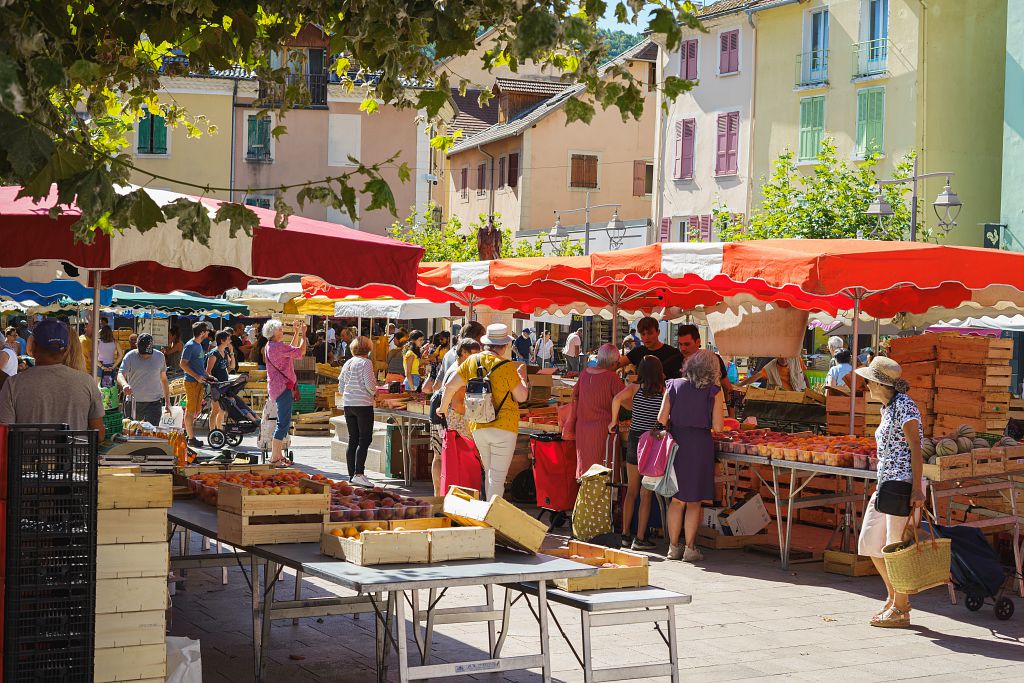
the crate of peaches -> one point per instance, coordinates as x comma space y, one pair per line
206, 485
856, 452
354, 504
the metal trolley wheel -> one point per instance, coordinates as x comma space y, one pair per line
217, 439
974, 602
1004, 609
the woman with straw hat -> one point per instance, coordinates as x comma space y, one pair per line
898, 438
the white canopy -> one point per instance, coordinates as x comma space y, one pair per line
411, 309
267, 299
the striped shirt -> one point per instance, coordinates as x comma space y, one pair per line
645, 411
357, 382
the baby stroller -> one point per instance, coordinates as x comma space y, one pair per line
240, 420
976, 570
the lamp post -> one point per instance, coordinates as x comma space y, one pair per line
616, 227
947, 205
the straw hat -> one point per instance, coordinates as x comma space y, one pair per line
496, 335
884, 370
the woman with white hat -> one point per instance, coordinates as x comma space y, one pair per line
900, 491
495, 440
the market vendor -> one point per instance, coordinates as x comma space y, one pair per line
651, 345
689, 344
789, 374
51, 392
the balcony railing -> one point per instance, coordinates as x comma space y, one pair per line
314, 84
871, 57
812, 68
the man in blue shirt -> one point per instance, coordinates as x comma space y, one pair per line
523, 345
193, 362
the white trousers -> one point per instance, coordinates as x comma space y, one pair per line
496, 447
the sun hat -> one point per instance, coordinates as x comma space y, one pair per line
885, 370
51, 335
496, 335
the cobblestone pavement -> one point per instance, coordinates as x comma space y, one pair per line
750, 620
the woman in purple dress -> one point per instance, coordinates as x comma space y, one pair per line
693, 406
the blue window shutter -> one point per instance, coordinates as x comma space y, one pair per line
145, 134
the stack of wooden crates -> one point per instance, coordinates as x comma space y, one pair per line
132, 565
866, 413
957, 380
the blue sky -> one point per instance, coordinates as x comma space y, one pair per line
608, 21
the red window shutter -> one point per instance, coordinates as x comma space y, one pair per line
734, 51
666, 230
689, 128
722, 144
693, 228
513, 170
639, 178
688, 60
501, 172
705, 228
591, 171
723, 53
732, 142
678, 171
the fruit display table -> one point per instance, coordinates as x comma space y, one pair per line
383, 591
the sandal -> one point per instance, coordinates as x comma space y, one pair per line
878, 615
281, 464
894, 617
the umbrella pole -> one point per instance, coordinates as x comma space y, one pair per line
325, 339
615, 316
95, 350
853, 359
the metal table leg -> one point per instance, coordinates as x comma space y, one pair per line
298, 593
489, 592
588, 659
403, 646
545, 647
673, 653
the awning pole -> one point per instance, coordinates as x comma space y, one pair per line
325, 339
615, 316
95, 350
853, 359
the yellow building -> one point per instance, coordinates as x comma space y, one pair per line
169, 152
893, 75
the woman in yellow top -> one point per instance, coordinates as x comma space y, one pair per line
495, 441
411, 360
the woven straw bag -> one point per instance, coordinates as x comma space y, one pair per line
915, 565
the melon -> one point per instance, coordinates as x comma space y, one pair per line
931, 460
964, 444
980, 443
1007, 441
966, 430
946, 447
928, 448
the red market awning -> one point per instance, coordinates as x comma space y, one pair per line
161, 260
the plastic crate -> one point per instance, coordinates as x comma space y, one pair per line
38, 456
39, 561
307, 399
113, 422
67, 661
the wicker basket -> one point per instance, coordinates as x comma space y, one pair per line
915, 565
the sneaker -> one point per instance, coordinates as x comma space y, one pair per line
361, 480
642, 544
626, 540
195, 443
692, 555
675, 552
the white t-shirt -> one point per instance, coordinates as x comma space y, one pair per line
572, 345
8, 362
544, 348
331, 335
106, 352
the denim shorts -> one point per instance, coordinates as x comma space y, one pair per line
632, 446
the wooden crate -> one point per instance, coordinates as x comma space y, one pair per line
130, 490
945, 424
714, 539
132, 560
841, 405
976, 350
131, 595
949, 467
461, 543
994, 375
130, 663
512, 526
970, 405
989, 461
379, 547
914, 349
1014, 458
920, 375
632, 571
126, 629
315, 500
848, 564
424, 523
140, 525
249, 530
758, 394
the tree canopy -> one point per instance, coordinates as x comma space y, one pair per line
76, 75
828, 203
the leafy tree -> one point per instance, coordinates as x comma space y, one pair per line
105, 58
826, 204
449, 241
618, 41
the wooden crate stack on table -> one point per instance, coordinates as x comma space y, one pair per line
865, 415
972, 383
918, 357
132, 565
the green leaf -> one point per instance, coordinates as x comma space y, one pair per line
239, 218
283, 212
193, 219
431, 101
64, 163
145, 214
577, 110
369, 105
380, 193
404, 173
85, 72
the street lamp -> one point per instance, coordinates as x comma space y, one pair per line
616, 227
947, 205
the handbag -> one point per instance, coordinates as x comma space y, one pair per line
652, 452
893, 498
916, 565
665, 485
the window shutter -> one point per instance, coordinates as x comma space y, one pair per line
639, 178
576, 171
734, 51
513, 170
693, 228
501, 172
666, 230
145, 133
464, 183
481, 179
705, 228
722, 143
252, 131
689, 128
688, 60
159, 127
678, 170
875, 119
723, 53
265, 136
732, 142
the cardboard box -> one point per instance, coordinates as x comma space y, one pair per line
711, 520
748, 518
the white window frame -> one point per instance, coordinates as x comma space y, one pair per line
273, 149
718, 53
144, 155
358, 128
568, 169
649, 163
865, 21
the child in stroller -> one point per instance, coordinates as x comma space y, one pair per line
241, 419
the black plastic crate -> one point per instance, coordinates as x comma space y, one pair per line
52, 509
56, 614
39, 456
67, 661
40, 560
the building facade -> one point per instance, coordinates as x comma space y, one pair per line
892, 76
529, 166
703, 137
1011, 216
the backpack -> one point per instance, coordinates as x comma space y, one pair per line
480, 406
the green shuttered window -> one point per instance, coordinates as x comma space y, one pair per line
257, 146
152, 135
812, 126
870, 121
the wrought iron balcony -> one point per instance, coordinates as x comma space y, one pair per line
297, 84
871, 57
812, 68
